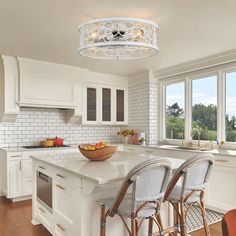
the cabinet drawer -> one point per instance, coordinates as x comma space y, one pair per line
45, 216
15, 155
62, 229
65, 209
67, 178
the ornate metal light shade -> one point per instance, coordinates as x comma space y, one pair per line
118, 38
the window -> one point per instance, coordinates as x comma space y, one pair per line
201, 105
174, 115
204, 108
230, 108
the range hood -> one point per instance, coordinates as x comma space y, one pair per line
31, 83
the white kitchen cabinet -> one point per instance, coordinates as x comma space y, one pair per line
15, 178
105, 105
16, 171
44, 84
65, 212
9, 77
45, 217
222, 188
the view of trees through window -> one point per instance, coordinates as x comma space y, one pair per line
230, 117
175, 111
204, 108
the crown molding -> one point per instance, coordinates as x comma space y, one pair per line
201, 63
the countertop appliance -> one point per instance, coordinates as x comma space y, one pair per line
44, 190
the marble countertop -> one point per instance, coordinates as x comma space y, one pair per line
112, 170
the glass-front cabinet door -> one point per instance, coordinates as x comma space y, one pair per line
106, 105
90, 115
121, 106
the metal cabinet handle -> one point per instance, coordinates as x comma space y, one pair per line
61, 176
16, 156
41, 167
61, 227
42, 210
59, 186
20, 166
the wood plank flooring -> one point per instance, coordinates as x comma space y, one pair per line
15, 220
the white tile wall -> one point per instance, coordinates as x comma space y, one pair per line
143, 107
34, 124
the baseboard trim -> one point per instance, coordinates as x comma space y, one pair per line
18, 199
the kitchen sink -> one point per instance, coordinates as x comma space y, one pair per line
192, 148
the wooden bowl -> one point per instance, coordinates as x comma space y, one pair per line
99, 154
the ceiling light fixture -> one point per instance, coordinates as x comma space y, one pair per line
118, 38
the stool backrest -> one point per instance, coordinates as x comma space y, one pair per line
229, 223
195, 173
146, 182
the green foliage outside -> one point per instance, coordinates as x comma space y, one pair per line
204, 123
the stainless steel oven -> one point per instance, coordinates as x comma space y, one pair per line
44, 190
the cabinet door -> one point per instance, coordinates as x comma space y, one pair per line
27, 177
90, 114
106, 106
15, 178
121, 106
220, 195
65, 210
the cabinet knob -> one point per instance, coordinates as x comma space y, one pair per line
61, 176
59, 186
61, 227
16, 156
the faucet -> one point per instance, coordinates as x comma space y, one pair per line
198, 136
182, 138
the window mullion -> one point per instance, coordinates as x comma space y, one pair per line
221, 106
188, 109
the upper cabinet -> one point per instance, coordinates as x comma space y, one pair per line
9, 80
45, 84
106, 105
98, 98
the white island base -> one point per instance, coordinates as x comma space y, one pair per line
77, 185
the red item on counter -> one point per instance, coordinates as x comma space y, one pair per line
58, 141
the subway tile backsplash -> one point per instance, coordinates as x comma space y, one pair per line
35, 124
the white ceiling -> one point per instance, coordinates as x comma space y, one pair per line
47, 30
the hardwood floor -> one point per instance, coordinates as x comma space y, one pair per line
215, 230
15, 220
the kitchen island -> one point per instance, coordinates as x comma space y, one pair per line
66, 188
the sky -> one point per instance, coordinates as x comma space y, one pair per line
205, 92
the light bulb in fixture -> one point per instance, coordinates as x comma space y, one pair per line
139, 33
93, 35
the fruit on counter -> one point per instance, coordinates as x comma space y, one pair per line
92, 147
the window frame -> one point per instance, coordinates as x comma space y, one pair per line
220, 73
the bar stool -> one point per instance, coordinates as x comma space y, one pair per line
140, 197
187, 187
229, 223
